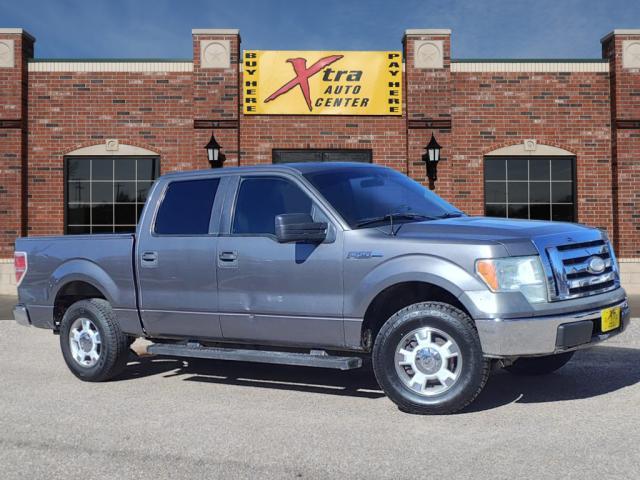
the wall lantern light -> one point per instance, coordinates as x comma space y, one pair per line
214, 155
431, 158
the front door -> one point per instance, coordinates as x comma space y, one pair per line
176, 258
279, 293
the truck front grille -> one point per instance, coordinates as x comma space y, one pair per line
569, 269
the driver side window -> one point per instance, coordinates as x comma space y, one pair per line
260, 199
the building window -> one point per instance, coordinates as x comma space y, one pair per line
537, 188
106, 194
295, 155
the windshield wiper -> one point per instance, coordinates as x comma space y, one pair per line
391, 217
451, 215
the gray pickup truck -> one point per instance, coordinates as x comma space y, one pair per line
326, 265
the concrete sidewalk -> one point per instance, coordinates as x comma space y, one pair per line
6, 307
7, 303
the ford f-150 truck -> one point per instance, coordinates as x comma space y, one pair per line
326, 265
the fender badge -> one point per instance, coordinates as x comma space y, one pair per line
360, 255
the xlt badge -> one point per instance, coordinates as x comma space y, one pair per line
359, 255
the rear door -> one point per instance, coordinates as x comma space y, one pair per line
280, 293
176, 260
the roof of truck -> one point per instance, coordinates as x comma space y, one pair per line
303, 167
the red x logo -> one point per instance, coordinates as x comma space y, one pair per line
302, 76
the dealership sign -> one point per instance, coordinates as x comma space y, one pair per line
322, 83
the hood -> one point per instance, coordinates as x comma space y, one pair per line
515, 235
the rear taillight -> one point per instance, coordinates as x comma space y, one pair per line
20, 265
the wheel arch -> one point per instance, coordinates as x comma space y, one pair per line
76, 280
70, 293
395, 297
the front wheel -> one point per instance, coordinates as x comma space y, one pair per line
539, 365
428, 359
93, 346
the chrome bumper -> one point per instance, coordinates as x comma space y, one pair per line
539, 335
21, 315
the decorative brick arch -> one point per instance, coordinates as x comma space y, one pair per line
518, 149
101, 149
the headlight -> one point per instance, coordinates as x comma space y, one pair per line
522, 274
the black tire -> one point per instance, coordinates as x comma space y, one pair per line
539, 365
114, 346
455, 323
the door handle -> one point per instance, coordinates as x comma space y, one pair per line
149, 258
228, 256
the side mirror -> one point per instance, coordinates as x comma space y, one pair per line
299, 227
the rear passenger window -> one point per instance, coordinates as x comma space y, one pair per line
186, 207
260, 199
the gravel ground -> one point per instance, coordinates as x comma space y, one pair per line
171, 419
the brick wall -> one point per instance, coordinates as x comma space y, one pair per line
566, 110
385, 136
216, 96
428, 110
13, 156
625, 114
154, 110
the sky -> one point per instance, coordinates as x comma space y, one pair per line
162, 28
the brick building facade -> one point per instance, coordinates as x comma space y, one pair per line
573, 126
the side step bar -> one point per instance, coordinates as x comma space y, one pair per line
318, 358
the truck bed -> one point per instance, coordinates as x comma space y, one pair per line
55, 261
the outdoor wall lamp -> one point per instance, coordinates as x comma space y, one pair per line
214, 155
431, 158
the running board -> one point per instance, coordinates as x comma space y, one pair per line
318, 358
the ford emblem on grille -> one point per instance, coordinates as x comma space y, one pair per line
596, 265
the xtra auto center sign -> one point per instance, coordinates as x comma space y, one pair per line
322, 83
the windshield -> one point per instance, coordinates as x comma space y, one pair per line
366, 195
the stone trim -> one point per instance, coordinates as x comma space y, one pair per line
110, 66
7, 55
17, 31
111, 147
620, 31
215, 31
533, 67
530, 147
427, 31
215, 54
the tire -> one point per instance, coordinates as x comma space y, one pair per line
433, 323
539, 365
91, 323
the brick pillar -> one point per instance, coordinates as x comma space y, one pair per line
622, 48
16, 47
427, 56
216, 91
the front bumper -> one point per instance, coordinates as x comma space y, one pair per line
21, 315
545, 335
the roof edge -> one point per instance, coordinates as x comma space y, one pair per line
529, 60
215, 31
427, 31
620, 31
109, 60
17, 31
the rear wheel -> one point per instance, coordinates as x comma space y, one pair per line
539, 365
93, 346
428, 359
